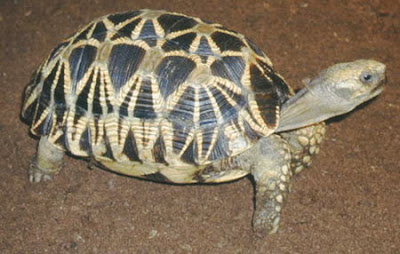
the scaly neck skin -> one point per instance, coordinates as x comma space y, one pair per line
304, 109
313, 104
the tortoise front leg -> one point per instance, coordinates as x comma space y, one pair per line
48, 162
271, 172
304, 144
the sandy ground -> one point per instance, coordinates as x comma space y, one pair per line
347, 202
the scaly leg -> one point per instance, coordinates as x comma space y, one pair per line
304, 143
271, 172
48, 162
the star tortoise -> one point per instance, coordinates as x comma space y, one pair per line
169, 97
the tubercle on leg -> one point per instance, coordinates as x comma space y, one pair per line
272, 176
304, 144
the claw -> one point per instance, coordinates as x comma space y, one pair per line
47, 163
37, 174
266, 222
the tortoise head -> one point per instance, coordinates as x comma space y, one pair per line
335, 91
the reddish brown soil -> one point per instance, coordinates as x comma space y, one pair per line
347, 202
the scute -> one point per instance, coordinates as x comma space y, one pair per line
174, 23
80, 60
144, 108
204, 48
99, 32
182, 42
126, 31
121, 17
172, 72
226, 41
124, 61
156, 94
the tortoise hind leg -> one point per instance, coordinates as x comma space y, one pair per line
47, 163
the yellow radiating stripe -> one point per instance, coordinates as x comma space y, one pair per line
145, 134
224, 93
215, 49
215, 106
119, 25
167, 133
174, 98
189, 139
158, 29
212, 143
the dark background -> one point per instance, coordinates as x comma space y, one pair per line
347, 202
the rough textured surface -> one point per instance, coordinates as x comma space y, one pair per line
348, 202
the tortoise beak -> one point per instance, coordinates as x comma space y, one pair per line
381, 82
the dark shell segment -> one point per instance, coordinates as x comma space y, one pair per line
85, 141
44, 126
182, 42
184, 109
108, 93
45, 95
148, 34
97, 108
41, 123
227, 42
269, 91
254, 47
57, 50
82, 101
99, 32
172, 23
130, 148
220, 149
204, 48
259, 81
83, 35
172, 72
127, 30
207, 114
121, 17
265, 95
207, 139
156, 177
123, 63
123, 109
159, 151
30, 100
144, 103
239, 99
190, 154
251, 133
59, 91
80, 60
227, 110
281, 88
108, 152
180, 134
148, 30
59, 99
229, 67
43, 118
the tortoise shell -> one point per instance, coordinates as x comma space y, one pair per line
156, 93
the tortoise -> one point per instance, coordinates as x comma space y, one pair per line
173, 98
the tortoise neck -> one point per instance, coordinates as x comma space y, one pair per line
303, 109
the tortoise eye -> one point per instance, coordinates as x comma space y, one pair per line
366, 77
